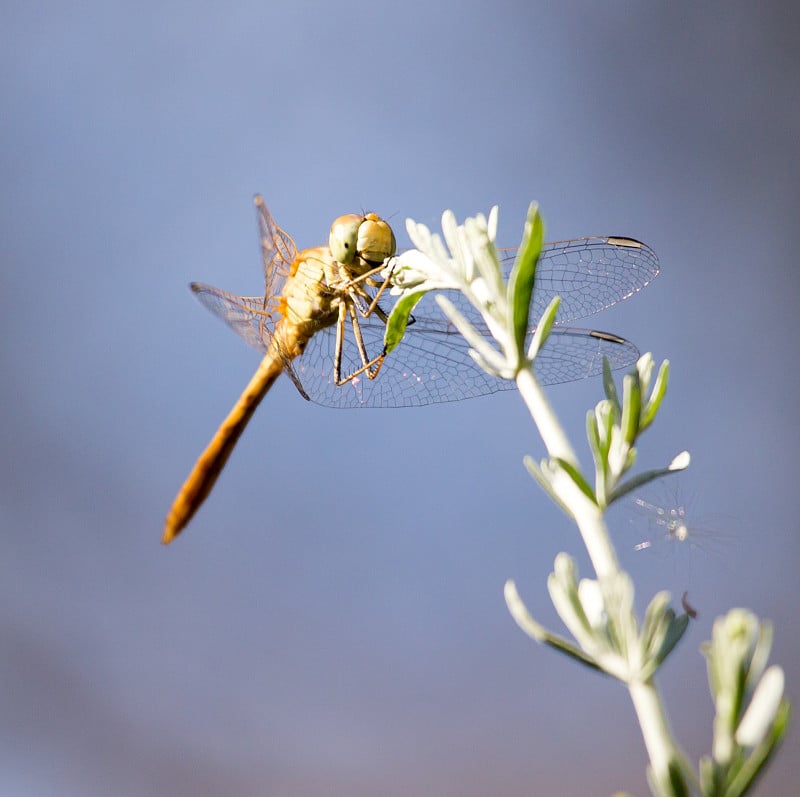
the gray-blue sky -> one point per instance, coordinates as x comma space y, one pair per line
332, 622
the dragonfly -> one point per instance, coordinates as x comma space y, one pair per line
321, 321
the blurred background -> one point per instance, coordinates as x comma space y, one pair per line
332, 623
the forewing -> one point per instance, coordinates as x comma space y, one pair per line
589, 274
278, 251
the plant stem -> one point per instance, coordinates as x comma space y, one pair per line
587, 514
589, 518
545, 419
656, 732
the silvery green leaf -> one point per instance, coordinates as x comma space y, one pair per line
542, 328
754, 764
680, 461
762, 709
635, 482
609, 386
644, 368
605, 414
593, 436
538, 632
576, 476
675, 629
503, 372
760, 652
491, 224
653, 625
656, 395
617, 456
542, 478
453, 238
622, 626
520, 282
591, 598
420, 236
673, 784
430, 245
398, 319
563, 588
484, 255
491, 356
631, 406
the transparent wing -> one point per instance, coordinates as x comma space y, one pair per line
252, 318
432, 365
589, 274
245, 315
278, 252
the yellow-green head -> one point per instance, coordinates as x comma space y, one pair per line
368, 237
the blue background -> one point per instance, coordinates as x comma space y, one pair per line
332, 623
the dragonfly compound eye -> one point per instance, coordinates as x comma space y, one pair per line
343, 241
375, 239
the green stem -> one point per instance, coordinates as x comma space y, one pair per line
589, 518
587, 514
545, 419
656, 732
596, 538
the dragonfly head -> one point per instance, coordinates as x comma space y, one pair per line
368, 237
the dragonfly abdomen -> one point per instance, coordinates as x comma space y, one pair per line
211, 462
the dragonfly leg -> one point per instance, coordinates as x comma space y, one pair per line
355, 288
371, 366
374, 305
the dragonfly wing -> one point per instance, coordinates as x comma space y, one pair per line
245, 315
429, 367
571, 354
589, 274
432, 365
278, 250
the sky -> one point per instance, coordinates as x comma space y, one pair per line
332, 622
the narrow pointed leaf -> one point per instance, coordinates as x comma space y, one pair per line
520, 283
757, 760
657, 395
762, 709
538, 632
677, 781
677, 627
577, 478
398, 319
608, 385
760, 655
472, 336
631, 406
635, 482
544, 483
598, 455
653, 618
543, 327
673, 784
